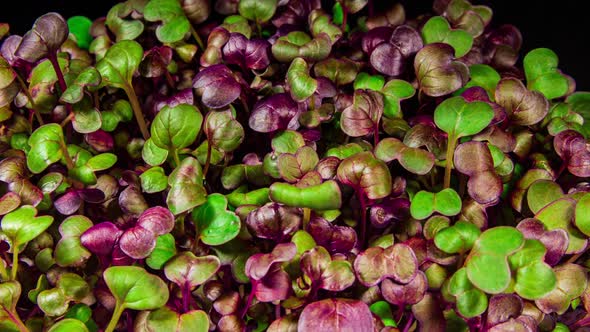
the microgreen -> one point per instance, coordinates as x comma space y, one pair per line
292, 165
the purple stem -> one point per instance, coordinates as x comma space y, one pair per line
409, 323
363, 217
186, 295
60, 77
250, 299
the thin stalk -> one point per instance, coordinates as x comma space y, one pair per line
409, 323
176, 158
14, 263
69, 161
259, 29
207, 161
13, 316
306, 217
67, 120
197, 38
376, 135
170, 80
24, 88
249, 300
3, 273
363, 218
344, 17
186, 297
452, 143
137, 111
115, 318
60, 78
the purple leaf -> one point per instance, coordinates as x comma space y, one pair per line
410, 293
390, 57
101, 238
335, 238
335, 314
100, 140
274, 221
276, 112
274, 286
217, 86
258, 265
137, 242
390, 209
68, 203
252, 54
49, 32
157, 219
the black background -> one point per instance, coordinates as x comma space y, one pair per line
561, 25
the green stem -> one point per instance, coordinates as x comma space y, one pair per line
207, 161
176, 158
69, 161
306, 217
3, 273
452, 143
13, 316
197, 38
24, 88
115, 318
14, 263
137, 111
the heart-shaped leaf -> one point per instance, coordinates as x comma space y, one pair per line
223, 131
153, 180
165, 319
424, 203
438, 74
186, 187
257, 11
69, 250
120, 63
363, 116
524, 107
336, 315
340, 71
332, 275
176, 127
393, 93
47, 147
571, 282
415, 160
175, 25
124, 29
540, 68
217, 86
164, 250
134, 288
459, 118
438, 30
188, 270
22, 225
375, 264
215, 224
273, 221
458, 238
49, 32
366, 174
301, 84
276, 112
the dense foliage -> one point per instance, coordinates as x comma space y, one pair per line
251, 165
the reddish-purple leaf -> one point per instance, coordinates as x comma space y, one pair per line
101, 238
137, 242
157, 219
217, 86
335, 314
